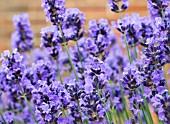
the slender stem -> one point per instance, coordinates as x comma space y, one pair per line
26, 100
2, 117
79, 54
85, 122
163, 15
140, 119
66, 48
127, 48
58, 73
137, 106
115, 116
71, 62
165, 78
123, 99
124, 116
143, 111
135, 51
63, 111
125, 39
147, 107
109, 117
161, 122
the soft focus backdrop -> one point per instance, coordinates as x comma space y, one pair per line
93, 9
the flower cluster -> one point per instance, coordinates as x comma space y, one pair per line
95, 81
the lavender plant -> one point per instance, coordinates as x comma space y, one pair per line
93, 82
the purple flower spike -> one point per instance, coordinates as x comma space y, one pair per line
22, 37
93, 107
113, 5
73, 21
50, 42
54, 10
161, 101
101, 27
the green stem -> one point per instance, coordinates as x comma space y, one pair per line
2, 117
146, 105
161, 122
109, 117
135, 51
26, 100
64, 113
58, 71
115, 116
143, 111
124, 116
139, 116
165, 78
127, 48
71, 62
140, 119
125, 39
79, 54
66, 48
124, 101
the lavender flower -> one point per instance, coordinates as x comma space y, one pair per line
97, 73
157, 7
162, 102
38, 54
113, 5
12, 65
136, 104
81, 59
48, 41
115, 98
103, 77
54, 10
133, 120
155, 56
40, 71
132, 27
93, 107
75, 90
101, 27
73, 21
22, 37
116, 62
130, 80
50, 101
99, 32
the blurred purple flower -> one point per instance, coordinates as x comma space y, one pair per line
23, 35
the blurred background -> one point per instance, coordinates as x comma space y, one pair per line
93, 9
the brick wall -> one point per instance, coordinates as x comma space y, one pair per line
93, 9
